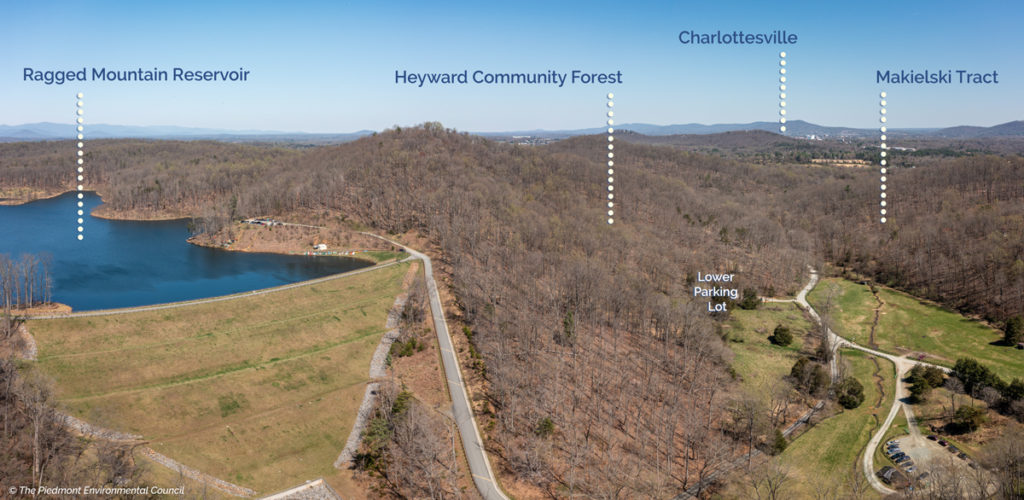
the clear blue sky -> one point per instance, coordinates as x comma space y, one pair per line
329, 66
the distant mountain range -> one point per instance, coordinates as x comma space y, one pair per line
1008, 129
48, 131
795, 128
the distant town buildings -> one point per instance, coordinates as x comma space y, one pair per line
528, 140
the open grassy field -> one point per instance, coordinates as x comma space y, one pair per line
261, 391
910, 325
852, 307
381, 256
756, 360
829, 452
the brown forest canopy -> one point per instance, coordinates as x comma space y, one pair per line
954, 230
588, 328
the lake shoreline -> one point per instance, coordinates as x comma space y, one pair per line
164, 251
230, 248
99, 212
107, 214
42, 309
14, 200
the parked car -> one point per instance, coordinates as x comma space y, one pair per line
911, 469
909, 464
902, 459
962, 456
953, 449
933, 437
942, 442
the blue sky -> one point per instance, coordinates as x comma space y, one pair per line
329, 66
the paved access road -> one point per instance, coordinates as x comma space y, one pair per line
476, 454
472, 443
903, 365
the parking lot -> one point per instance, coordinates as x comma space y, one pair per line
936, 466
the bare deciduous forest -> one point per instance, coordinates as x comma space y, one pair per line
605, 377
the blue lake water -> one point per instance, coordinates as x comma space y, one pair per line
133, 263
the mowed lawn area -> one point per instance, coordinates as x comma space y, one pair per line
261, 391
829, 453
910, 325
757, 361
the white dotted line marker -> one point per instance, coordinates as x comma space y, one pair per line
611, 162
78, 113
882, 161
782, 93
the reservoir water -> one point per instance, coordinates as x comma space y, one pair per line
133, 263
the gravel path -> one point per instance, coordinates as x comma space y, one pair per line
84, 428
312, 490
170, 463
29, 349
378, 370
473, 444
111, 312
903, 365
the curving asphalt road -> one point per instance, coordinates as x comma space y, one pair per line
903, 365
472, 443
476, 454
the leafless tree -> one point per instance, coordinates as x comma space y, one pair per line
955, 387
1004, 457
990, 395
824, 490
749, 419
769, 480
779, 394
857, 485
